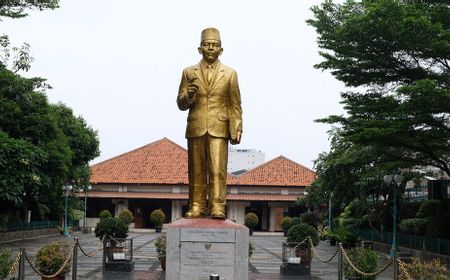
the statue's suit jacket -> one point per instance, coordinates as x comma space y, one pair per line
216, 108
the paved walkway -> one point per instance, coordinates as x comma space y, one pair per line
264, 264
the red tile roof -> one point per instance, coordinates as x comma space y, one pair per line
162, 162
184, 196
278, 172
165, 163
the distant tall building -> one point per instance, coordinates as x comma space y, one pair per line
244, 159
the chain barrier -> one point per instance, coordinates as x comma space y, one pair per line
263, 258
404, 270
317, 255
66, 262
95, 251
14, 265
376, 273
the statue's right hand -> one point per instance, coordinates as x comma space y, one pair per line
192, 88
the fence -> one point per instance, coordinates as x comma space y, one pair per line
19, 226
71, 256
435, 245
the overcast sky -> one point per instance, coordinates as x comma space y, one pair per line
118, 64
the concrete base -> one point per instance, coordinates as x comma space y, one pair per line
197, 248
125, 266
295, 269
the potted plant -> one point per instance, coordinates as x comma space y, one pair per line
251, 220
160, 244
365, 260
430, 270
251, 249
299, 233
51, 258
6, 261
344, 235
113, 229
285, 224
126, 216
157, 218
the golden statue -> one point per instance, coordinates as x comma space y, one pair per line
210, 91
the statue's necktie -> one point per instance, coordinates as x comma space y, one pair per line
209, 74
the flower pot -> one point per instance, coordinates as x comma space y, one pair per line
333, 242
304, 255
111, 250
158, 229
250, 231
162, 262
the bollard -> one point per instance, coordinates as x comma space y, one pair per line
75, 259
131, 249
22, 264
104, 256
214, 277
340, 261
395, 267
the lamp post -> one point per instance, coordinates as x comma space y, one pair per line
397, 178
67, 188
330, 216
88, 188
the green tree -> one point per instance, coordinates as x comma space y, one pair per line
399, 52
17, 9
42, 146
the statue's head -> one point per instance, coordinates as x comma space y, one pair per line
210, 45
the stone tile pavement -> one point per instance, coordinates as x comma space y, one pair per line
265, 263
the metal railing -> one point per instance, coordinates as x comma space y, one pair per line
18, 226
435, 245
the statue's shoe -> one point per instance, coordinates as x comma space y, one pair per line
217, 214
194, 215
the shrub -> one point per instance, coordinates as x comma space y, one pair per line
295, 221
251, 248
419, 270
113, 227
299, 232
251, 220
413, 226
126, 216
344, 235
311, 219
6, 261
160, 245
51, 257
105, 214
157, 217
365, 260
286, 223
76, 214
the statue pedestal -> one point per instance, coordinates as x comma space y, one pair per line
197, 248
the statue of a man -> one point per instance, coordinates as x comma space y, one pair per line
210, 91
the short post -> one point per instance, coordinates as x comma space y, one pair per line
214, 277
104, 255
75, 259
340, 261
22, 264
395, 267
131, 249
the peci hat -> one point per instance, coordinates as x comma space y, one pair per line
210, 34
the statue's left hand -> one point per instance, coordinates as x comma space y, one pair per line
238, 138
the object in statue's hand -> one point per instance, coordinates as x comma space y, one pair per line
192, 88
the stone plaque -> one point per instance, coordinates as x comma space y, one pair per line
200, 259
207, 235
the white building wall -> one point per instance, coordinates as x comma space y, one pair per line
239, 159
